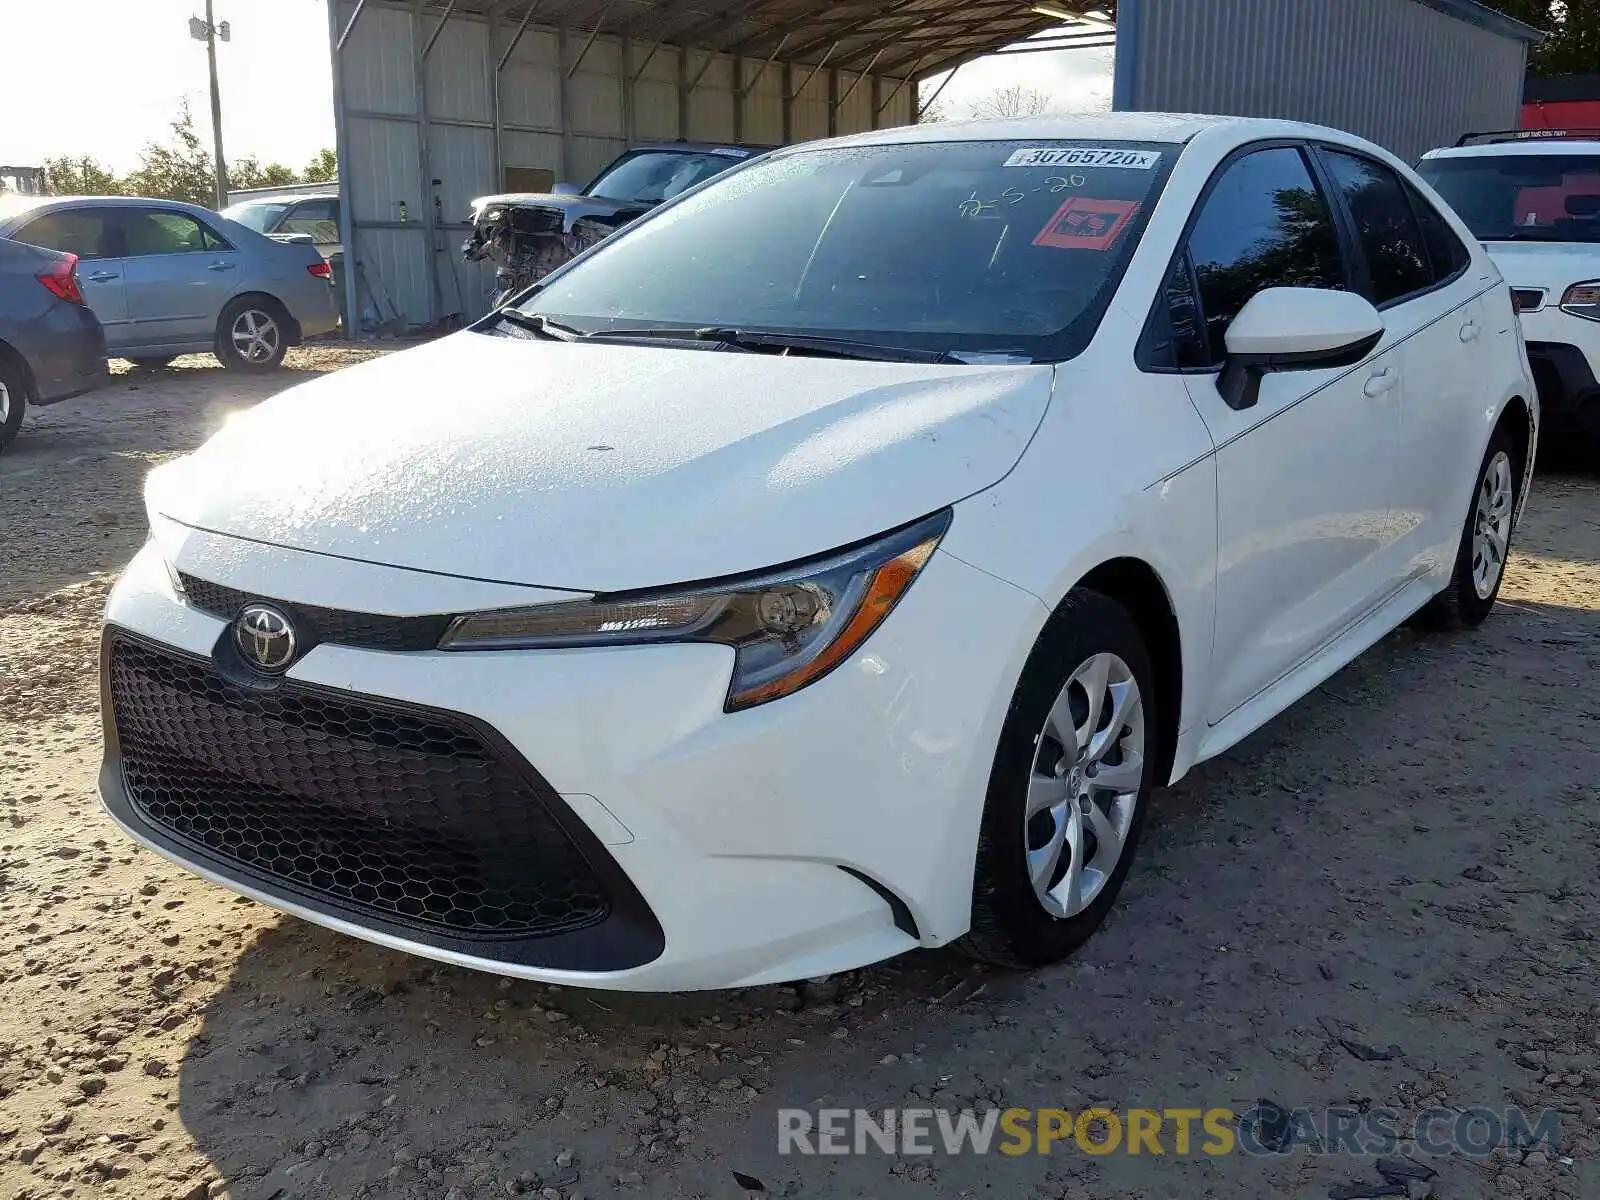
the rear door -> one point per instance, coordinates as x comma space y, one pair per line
180, 272
95, 236
1419, 275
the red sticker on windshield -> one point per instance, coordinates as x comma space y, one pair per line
1085, 224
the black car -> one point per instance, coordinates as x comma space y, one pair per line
529, 234
51, 345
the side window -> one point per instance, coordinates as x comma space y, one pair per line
315, 217
1264, 225
161, 231
1391, 238
1445, 250
86, 232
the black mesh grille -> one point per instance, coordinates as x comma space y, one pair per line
411, 816
369, 631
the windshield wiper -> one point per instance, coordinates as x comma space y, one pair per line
756, 340
542, 325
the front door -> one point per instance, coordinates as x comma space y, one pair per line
1304, 474
95, 236
180, 272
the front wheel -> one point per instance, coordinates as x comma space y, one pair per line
251, 335
1485, 542
13, 402
1069, 788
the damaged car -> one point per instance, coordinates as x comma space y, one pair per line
529, 234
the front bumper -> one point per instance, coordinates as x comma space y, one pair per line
1564, 352
817, 833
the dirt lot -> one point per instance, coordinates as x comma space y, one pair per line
1407, 858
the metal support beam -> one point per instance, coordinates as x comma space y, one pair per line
787, 103
430, 231
564, 101
833, 102
354, 17
683, 93
593, 33
711, 57
898, 87
762, 69
793, 26
629, 99
494, 104
433, 37
867, 70
522, 28
922, 109
349, 261
738, 101
824, 62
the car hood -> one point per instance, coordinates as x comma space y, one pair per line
1554, 266
602, 467
567, 208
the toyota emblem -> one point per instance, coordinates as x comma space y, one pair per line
265, 637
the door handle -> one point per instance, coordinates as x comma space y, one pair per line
1382, 382
103, 276
220, 266
1469, 332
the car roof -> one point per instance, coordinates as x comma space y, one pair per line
1122, 126
1521, 146
38, 203
284, 198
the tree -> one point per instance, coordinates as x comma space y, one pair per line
180, 170
81, 176
247, 172
1013, 101
1573, 47
324, 168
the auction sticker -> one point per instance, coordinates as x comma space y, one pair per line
1086, 156
1085, 224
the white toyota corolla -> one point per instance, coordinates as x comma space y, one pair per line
830, 563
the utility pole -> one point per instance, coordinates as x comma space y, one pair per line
208, 31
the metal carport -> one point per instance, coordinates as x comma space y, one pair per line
439, 101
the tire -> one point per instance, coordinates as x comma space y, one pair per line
13, 402
1016, 922
1485, 542
252, 335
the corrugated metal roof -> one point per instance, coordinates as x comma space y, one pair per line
898, 38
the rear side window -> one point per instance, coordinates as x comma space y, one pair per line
86, 232
1445, 250
318, 218
1390, 235
1264, 225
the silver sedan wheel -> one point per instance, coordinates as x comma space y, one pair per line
1084, 788
1491, 525
5, 404
255, 336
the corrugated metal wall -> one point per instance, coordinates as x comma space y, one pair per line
571, 127
1399, 72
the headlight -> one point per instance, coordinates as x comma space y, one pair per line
1583, 300
788, 627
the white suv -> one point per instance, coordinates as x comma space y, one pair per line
1533, 198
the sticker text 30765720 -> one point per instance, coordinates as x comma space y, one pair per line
1086, 156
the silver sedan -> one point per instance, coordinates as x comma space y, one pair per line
167, 278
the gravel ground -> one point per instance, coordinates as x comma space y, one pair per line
1406, 859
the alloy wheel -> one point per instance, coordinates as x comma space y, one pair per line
1084, 787
255, 336
1491, 525
5, 404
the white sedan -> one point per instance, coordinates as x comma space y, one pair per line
830, 563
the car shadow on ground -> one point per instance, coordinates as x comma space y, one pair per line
1379, 863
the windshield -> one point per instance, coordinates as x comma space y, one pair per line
1549, 197
1009, 247
255, 214
651, 176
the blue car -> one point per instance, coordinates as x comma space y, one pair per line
51, 345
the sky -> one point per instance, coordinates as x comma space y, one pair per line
115, 78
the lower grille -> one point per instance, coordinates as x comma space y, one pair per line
408, 815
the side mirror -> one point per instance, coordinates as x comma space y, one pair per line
1295, 329
566, 189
